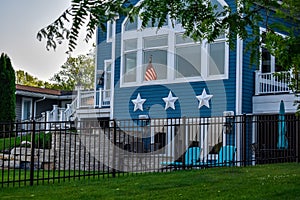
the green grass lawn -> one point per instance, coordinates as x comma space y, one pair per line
42, 140
276, 181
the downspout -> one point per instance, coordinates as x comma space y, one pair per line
34, 106
239, 92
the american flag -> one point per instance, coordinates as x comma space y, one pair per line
150, 73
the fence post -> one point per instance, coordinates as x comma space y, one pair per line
184, 148
297, 139
114, 152
244, 131
32, 153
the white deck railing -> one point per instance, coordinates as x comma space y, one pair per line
269, 83
84, 99
93, 99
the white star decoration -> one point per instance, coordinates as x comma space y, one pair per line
138, 103
170, 101
203, 99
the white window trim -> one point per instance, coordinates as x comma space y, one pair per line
273, 64
226, 63
171, 32
111, 30
106, 63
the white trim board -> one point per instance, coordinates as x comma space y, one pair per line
271, 103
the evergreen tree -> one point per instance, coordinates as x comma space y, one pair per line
7, 90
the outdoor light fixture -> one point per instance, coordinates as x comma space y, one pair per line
101, 77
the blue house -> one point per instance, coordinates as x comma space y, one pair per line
188, 79
150, 74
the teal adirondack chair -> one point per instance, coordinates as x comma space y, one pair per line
192, 156
225, 158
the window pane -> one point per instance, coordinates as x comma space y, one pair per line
108, 86
130, 67
188, 61
217, 58
180, 39
265, 61
278, 68
108, 76
222, 36
26, 110
149, 25
159, 62
155, 41
108, 67
130, 44
219, 6
129, 26
110, 29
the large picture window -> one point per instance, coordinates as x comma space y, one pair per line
149, 55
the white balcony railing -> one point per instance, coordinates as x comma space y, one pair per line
84, 99
269, 83
92, 99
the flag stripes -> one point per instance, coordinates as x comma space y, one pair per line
150, 73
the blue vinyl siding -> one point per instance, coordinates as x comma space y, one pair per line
223, 92
186, 105
104, 50
248, 81
249, 69
103, 54
118, 51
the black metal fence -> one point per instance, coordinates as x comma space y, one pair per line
39, 152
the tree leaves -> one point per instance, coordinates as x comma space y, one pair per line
83, 14
7, 90
201, 19
76, 71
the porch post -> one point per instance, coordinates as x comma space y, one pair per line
48, 116
55, 112
95, 99
43, 118
78, 98
62, 114
257, 81
67, 112
48, 120
100, 97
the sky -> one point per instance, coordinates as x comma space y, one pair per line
20, 20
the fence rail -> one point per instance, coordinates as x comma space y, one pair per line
43, 152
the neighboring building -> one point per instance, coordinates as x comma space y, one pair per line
31, 102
